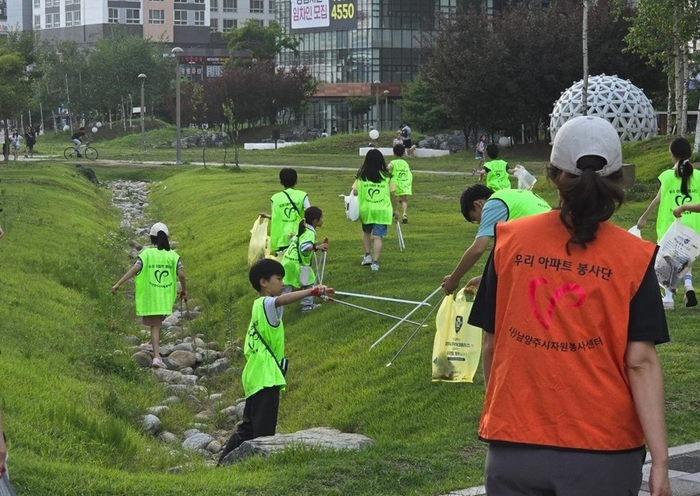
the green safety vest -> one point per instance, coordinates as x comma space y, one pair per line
375, 201
497, 176
294, 258
285, 218
521, 202
261, 369
671, 197
156, 288
401, 174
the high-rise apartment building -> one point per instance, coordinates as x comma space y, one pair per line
229, 14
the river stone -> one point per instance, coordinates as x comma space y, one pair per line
177, 389
158, 410
214, 397
168, 437
142, 358
182, 358
184, 346
170, 376
214, 447
187, 371
197, 442
152, 424
132, 340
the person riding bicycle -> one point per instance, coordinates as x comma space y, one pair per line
77, 139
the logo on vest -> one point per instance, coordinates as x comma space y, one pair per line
403, 175
553, 298
459, 321
682, 200
288, 211
160, 274
371, 192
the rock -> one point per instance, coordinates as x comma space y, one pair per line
142, 358
191, 432
182, 358
215, 397
193, 401
158, 410
234, 352
214, 447
204, 415
176, 470
199, 343
171, 399
197, 442
213, 345
170, 376
230, 413
170, 321
168, 437
132, 340
177, 389
187, 371
201, 390
316, 438
190, 380
219, 366
240, 407
152, 424
184, 346
165, 349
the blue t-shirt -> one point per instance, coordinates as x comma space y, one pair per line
493, 212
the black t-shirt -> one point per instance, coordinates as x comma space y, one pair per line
647, 321
78, 135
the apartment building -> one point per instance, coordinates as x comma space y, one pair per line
230, 14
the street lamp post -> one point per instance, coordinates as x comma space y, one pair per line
386, 109
142, 77
178, 151
376, 94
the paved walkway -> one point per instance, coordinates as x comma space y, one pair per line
684, 471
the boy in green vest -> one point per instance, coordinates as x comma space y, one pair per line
263, 375
497, 172
287, 209
403, 179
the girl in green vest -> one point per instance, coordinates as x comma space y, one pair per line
156, 272
401, 174
297, 259
375, 191
679, 186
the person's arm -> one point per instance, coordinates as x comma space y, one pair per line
392, 196
129, 274
646, 383
354, 188
487, 354
468, 260
183, 283
294, 296
264, 215
678, 211
652, 206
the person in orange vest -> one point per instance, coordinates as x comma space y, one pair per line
571, 311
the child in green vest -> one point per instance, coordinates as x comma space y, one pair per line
265, 368
287, 209
497, 172
297, 259
401, 173
156, 272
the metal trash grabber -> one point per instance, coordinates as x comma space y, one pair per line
414, 333
382, 298
405, 318
323, 261
370, 310
402, 245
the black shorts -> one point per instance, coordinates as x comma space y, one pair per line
407, 144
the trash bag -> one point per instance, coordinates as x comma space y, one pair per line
525, 179
6, 488
457, 345
352, 207
678, 249
259, 246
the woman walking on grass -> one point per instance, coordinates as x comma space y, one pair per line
156, 272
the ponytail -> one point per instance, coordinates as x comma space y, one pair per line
680, 149
302, 227
161, 241
685, 171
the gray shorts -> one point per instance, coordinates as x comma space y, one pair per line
513, 470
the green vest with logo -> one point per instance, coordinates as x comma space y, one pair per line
285, 218
294, 258
401, 174
521, 202
671, 197
375, 201
497, 176
156, 288
261, 369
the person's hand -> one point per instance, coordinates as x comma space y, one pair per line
264, 215
641, 223
183, 295
449, 284
115, 288
396, 216
320, 290
659, 485
472, 285
678, 211
323, 246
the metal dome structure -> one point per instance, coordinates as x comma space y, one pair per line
624, 105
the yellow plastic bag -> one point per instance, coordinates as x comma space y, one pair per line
457, 345
259, 246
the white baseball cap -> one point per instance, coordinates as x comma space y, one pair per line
586, 135
159, 226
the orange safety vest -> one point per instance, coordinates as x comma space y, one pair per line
558, 373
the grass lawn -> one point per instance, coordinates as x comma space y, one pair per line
72, 402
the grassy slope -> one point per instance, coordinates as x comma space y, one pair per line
71, 405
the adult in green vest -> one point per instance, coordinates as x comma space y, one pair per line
497, 172
678, 186
157, 270
287, 209
375, 189
401, 174
480, 205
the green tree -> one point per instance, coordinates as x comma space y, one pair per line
419, 106
359, 106
12, 86
260, 43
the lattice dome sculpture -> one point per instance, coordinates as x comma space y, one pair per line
624, 105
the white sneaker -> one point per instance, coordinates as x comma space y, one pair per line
374, 266
367, 260
311, 308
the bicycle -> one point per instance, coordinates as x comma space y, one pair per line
87, 151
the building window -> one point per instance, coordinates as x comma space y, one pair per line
260, 22
37, 22
72, 18
198, 1
257, 6
213, 25
214, 5
37, 4
133, 16
180, 18
156, 17
72, 2
157, 0
230, 24
271, 7
180, 1
53, 20
230, 5
199, 18
113, 15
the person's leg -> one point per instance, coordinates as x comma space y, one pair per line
378, 232
690, 299
403, 200
366, 243
244, 430
76, 147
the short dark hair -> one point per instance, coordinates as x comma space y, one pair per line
264, 269
399, 150
470, 195
492, 150
288, 177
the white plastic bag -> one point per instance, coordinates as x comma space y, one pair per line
259, 246
352, 207
525, 179
678, 249
635, 230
